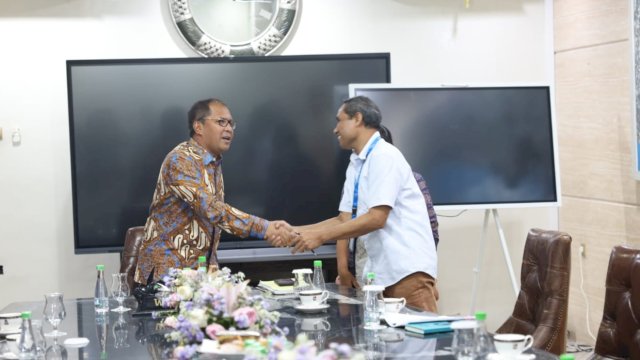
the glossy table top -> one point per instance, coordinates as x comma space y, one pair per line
122, 336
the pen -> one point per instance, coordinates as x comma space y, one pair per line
312, 251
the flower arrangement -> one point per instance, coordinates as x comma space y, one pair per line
207, 304
303, 349
215, 305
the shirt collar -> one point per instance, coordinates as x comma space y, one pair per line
207, 157
363, 154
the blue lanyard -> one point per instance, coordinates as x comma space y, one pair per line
354, 207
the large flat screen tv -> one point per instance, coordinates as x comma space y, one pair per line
284, 163
477, 147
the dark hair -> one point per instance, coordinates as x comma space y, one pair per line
385, 134
201, 110
365, 106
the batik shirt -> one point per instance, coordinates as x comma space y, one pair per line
187, 213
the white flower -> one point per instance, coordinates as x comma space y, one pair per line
185, 292
287, 355
198, 316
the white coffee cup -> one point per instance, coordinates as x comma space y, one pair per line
315, 324
512, 344
313, 297
394, 305
10, 322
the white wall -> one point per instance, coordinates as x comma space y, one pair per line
436, 41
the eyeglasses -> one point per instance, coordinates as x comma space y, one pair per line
222, 122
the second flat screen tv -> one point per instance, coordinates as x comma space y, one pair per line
477, 147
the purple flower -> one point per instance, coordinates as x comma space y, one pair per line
305, 348
327, 355
245, 317
184, 352
273, 354
343, 350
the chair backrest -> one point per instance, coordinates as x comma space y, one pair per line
541, 307
129, 259
619, 333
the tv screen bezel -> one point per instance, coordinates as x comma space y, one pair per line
224, 255
353, 91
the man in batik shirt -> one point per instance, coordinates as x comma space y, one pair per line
188, 209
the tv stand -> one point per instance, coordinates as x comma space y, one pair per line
505, 251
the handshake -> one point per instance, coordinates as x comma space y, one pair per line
281, 234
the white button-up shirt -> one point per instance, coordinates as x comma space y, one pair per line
405, 244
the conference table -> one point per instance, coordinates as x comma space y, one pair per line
126, 336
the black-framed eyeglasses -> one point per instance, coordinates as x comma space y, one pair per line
223, 122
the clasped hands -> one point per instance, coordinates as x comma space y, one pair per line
282, 234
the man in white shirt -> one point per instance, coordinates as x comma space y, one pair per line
383, 206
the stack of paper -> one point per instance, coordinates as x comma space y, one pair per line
274, 288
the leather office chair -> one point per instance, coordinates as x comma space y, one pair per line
619, 333
541, 307
129, 259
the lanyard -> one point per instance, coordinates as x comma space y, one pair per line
354, 207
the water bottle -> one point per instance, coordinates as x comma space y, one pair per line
26, 345
482, 339
202, 268
567, 357
371, 278
318, 277
202, 264
101, 295
102, 330
372, 297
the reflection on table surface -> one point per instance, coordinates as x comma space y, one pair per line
122, 336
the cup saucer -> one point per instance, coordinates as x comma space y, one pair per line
313, 308
10, 330
13, 337
498, 356
76, 342
10, 315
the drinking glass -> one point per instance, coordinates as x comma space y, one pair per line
302, 280
4, 347
463, 343
120, 291
121, 333
38, 337
55, 351
372, 346
54, 313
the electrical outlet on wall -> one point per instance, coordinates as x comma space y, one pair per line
583, 250
1, 270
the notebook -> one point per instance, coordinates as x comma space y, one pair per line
430, 327
400, 319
